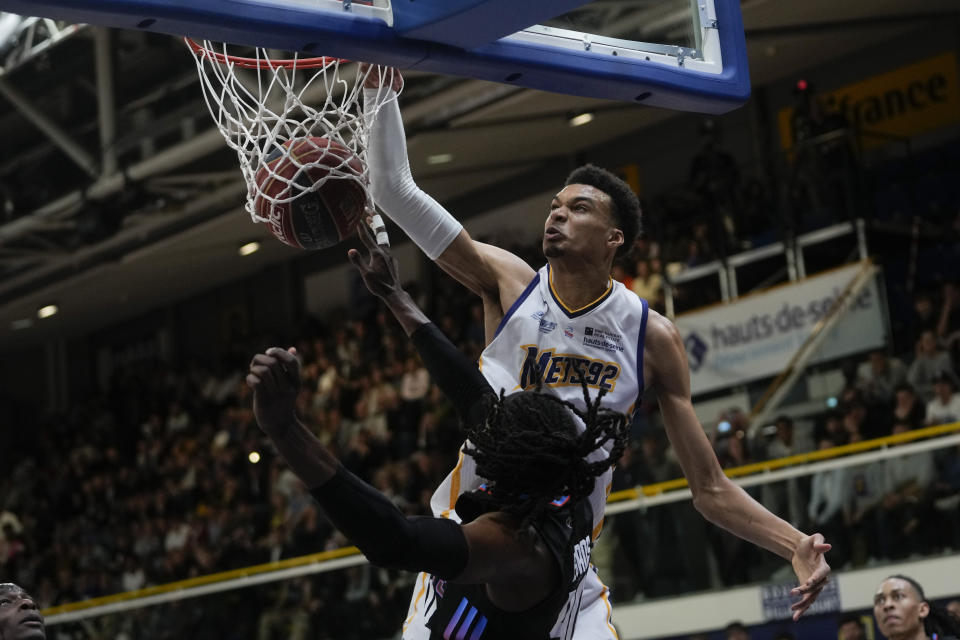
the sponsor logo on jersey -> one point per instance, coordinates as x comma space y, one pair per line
568, 331
565, 369
581, 557
546, 326
602, 339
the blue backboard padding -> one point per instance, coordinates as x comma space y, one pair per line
290, 27
354, 37
470, 23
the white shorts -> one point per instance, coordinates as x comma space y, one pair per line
594, 621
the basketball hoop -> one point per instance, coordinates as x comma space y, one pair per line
269, 108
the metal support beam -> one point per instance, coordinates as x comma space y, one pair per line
862, 239
781, 386
50, 128
729, 289
106, 108
32, 37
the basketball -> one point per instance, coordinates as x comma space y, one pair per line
309, 192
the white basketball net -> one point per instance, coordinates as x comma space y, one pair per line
265, 107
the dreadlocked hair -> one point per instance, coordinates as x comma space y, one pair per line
939, 622
529, 449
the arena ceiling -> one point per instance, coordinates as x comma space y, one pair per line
109, 212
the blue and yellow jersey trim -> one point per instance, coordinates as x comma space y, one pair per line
573, 313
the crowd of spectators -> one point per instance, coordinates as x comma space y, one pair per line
872, 513
154, 482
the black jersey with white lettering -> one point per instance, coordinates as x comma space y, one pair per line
464, 612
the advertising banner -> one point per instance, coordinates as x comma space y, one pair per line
755, 336
776, 601
904, 102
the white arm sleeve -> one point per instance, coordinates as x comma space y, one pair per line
428, 224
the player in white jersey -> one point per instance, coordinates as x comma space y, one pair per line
593, 217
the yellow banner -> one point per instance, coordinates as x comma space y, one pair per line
919, 97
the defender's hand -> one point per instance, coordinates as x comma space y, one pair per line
812, 571
275, 379
379, 270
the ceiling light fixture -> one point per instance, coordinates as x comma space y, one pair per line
47, 311
440, 158
248, 248
580, 119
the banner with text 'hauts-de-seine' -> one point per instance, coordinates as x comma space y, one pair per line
756, 336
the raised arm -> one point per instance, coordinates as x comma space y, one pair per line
715, 496
458, 377
479, 552
496, 275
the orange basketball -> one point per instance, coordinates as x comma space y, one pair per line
320, 216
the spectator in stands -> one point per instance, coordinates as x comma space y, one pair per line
733, 554
646, 249
906, 480
326, 383
647, 284
945, 406
736, 631
903, 612
377, 399
716, 179
621, 271
414, 385
954, 608
945, 492
864, 491
755, 225
831, 426
928, 364
290, 613
924, 317
19, 617
879, 376
825, 510
634, 531
784, 498
855, 423
676, 526
851, 628
908, 408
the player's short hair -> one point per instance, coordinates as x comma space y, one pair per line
528, 447
939, 622
625, 206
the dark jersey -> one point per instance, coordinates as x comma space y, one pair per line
464, 612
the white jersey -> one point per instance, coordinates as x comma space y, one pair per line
604, 340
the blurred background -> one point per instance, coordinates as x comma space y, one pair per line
134, 291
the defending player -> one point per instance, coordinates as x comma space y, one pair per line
19, 617
571, 312
516, 563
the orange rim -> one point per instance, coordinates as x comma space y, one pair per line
261, 63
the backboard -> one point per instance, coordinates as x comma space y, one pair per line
679, 54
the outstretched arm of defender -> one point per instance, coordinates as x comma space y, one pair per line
473, 553
720, 500
496, 275
458, 377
